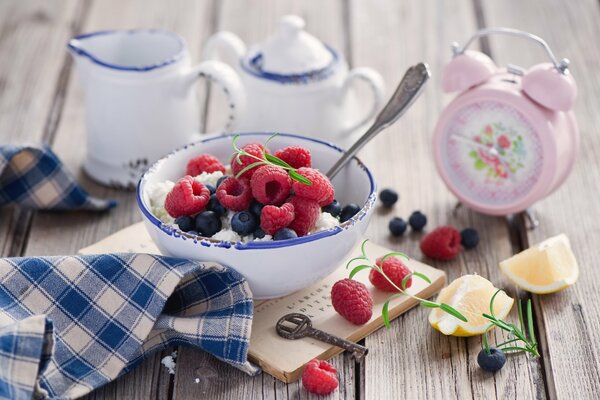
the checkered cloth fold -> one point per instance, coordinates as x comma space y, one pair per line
34, 177
71, 324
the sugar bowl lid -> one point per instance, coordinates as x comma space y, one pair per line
290, 51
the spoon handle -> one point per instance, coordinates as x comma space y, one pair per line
406, 93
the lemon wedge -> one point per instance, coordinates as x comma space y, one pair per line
547, 267
471, 295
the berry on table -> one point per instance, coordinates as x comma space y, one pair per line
255, 150
417, 221
334, 208
397, 226
492, 362
221, 179
348, 212
216, 206
442, 243
284, 234
259, 233
320, 190
295, 156
270, 185
204, 163
187, 197
319, 377
469, 238
256, 208
306, 214
243, 223
352, 300
211, 188
395, 270
274, 218
235, 194
185, 223
388, 197
208, 223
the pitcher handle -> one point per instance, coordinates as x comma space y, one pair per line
228, 80
375, 82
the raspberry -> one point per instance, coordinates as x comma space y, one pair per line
274, 218
187, 197
204, 163
321, 189
352, 300
442, 243
253, 148
319, 377
295, 156
394, 269
306, 214
235, 194
270, 185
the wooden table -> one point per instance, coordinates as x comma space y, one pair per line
41, 100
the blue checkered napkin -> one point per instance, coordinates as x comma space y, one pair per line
71, 324
34, 177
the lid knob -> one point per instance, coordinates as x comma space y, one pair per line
291, 24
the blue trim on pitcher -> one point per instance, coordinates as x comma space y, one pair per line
177, 57
256, 245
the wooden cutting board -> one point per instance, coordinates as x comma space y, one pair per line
284, 358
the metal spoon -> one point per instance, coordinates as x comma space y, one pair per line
409, 88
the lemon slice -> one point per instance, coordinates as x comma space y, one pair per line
471, 295
544, 268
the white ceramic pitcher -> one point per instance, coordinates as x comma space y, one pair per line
295, 83
140, 99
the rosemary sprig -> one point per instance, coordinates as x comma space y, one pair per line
267, 159
366, 264
522, 337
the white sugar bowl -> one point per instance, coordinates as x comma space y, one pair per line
296, 83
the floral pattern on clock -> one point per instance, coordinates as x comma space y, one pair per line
491, 153
507, 143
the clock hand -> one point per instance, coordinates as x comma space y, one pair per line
490, 150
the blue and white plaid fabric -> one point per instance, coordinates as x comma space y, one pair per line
71, 324
34, 177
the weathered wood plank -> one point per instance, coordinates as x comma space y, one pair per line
32, 40
390, 36
570, 319
65, 233
253, 22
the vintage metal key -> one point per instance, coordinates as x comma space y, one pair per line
296, 326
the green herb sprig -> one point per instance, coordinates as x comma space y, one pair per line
401, 290
267, 159
521, 338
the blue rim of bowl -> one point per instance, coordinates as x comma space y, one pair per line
248, 65
168, 61
270, 244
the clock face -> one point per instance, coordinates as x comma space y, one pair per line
491, 153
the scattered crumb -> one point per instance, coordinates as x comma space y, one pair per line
169, 362
197, 380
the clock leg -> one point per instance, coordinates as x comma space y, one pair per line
532, 220
457, 207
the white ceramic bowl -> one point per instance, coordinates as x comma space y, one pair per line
272, 268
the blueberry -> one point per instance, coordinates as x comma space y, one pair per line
185, 223
491, 362
334, 208
221, 179
256, 208
417, 221
285, 233
243, 223
259, 233
348, 212
208, 223
397, 226
211, 188
215, 206
388, 197
469, 238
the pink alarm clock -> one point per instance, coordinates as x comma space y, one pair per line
510, 137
